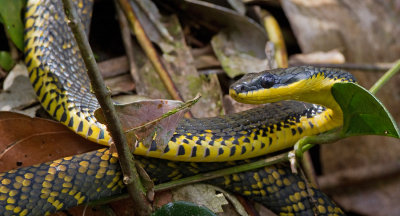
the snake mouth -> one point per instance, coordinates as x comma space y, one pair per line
253, 97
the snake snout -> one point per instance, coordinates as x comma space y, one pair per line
238, 88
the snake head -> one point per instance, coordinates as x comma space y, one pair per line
298, 83
255, 81
271, 79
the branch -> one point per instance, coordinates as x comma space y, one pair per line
131, 177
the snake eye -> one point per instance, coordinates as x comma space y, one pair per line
267, 81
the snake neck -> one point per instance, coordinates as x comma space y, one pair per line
316, 90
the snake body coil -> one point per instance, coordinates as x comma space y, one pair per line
57, 73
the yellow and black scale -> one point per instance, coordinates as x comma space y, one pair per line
57, 73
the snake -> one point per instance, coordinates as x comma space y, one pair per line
299, 103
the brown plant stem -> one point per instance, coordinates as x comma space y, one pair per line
131, 177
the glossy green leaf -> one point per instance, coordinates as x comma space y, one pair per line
6, 62
363, 113
10, 13
181, 208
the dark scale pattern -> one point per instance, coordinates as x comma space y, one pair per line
60, 81
266, 116
70, 181
59, 72
285, 76
60, 184
273, 186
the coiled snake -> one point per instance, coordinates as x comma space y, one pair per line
57, 73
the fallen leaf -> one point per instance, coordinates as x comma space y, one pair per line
25, 141
150, 120
166, 32
206, 61
236, 59
241, 46
114, 67
208, 196
121, 83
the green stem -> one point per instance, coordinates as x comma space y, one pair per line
131, 177
204, 176
218, 173
305, 143
386, 77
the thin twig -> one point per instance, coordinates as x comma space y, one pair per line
131, 177
308, 168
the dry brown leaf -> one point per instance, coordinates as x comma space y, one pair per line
114, 67
145, 120
211, 197
178, 60
26, 141
121, 83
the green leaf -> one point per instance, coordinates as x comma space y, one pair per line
10, 13
6, 62
363, 113
181, 208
